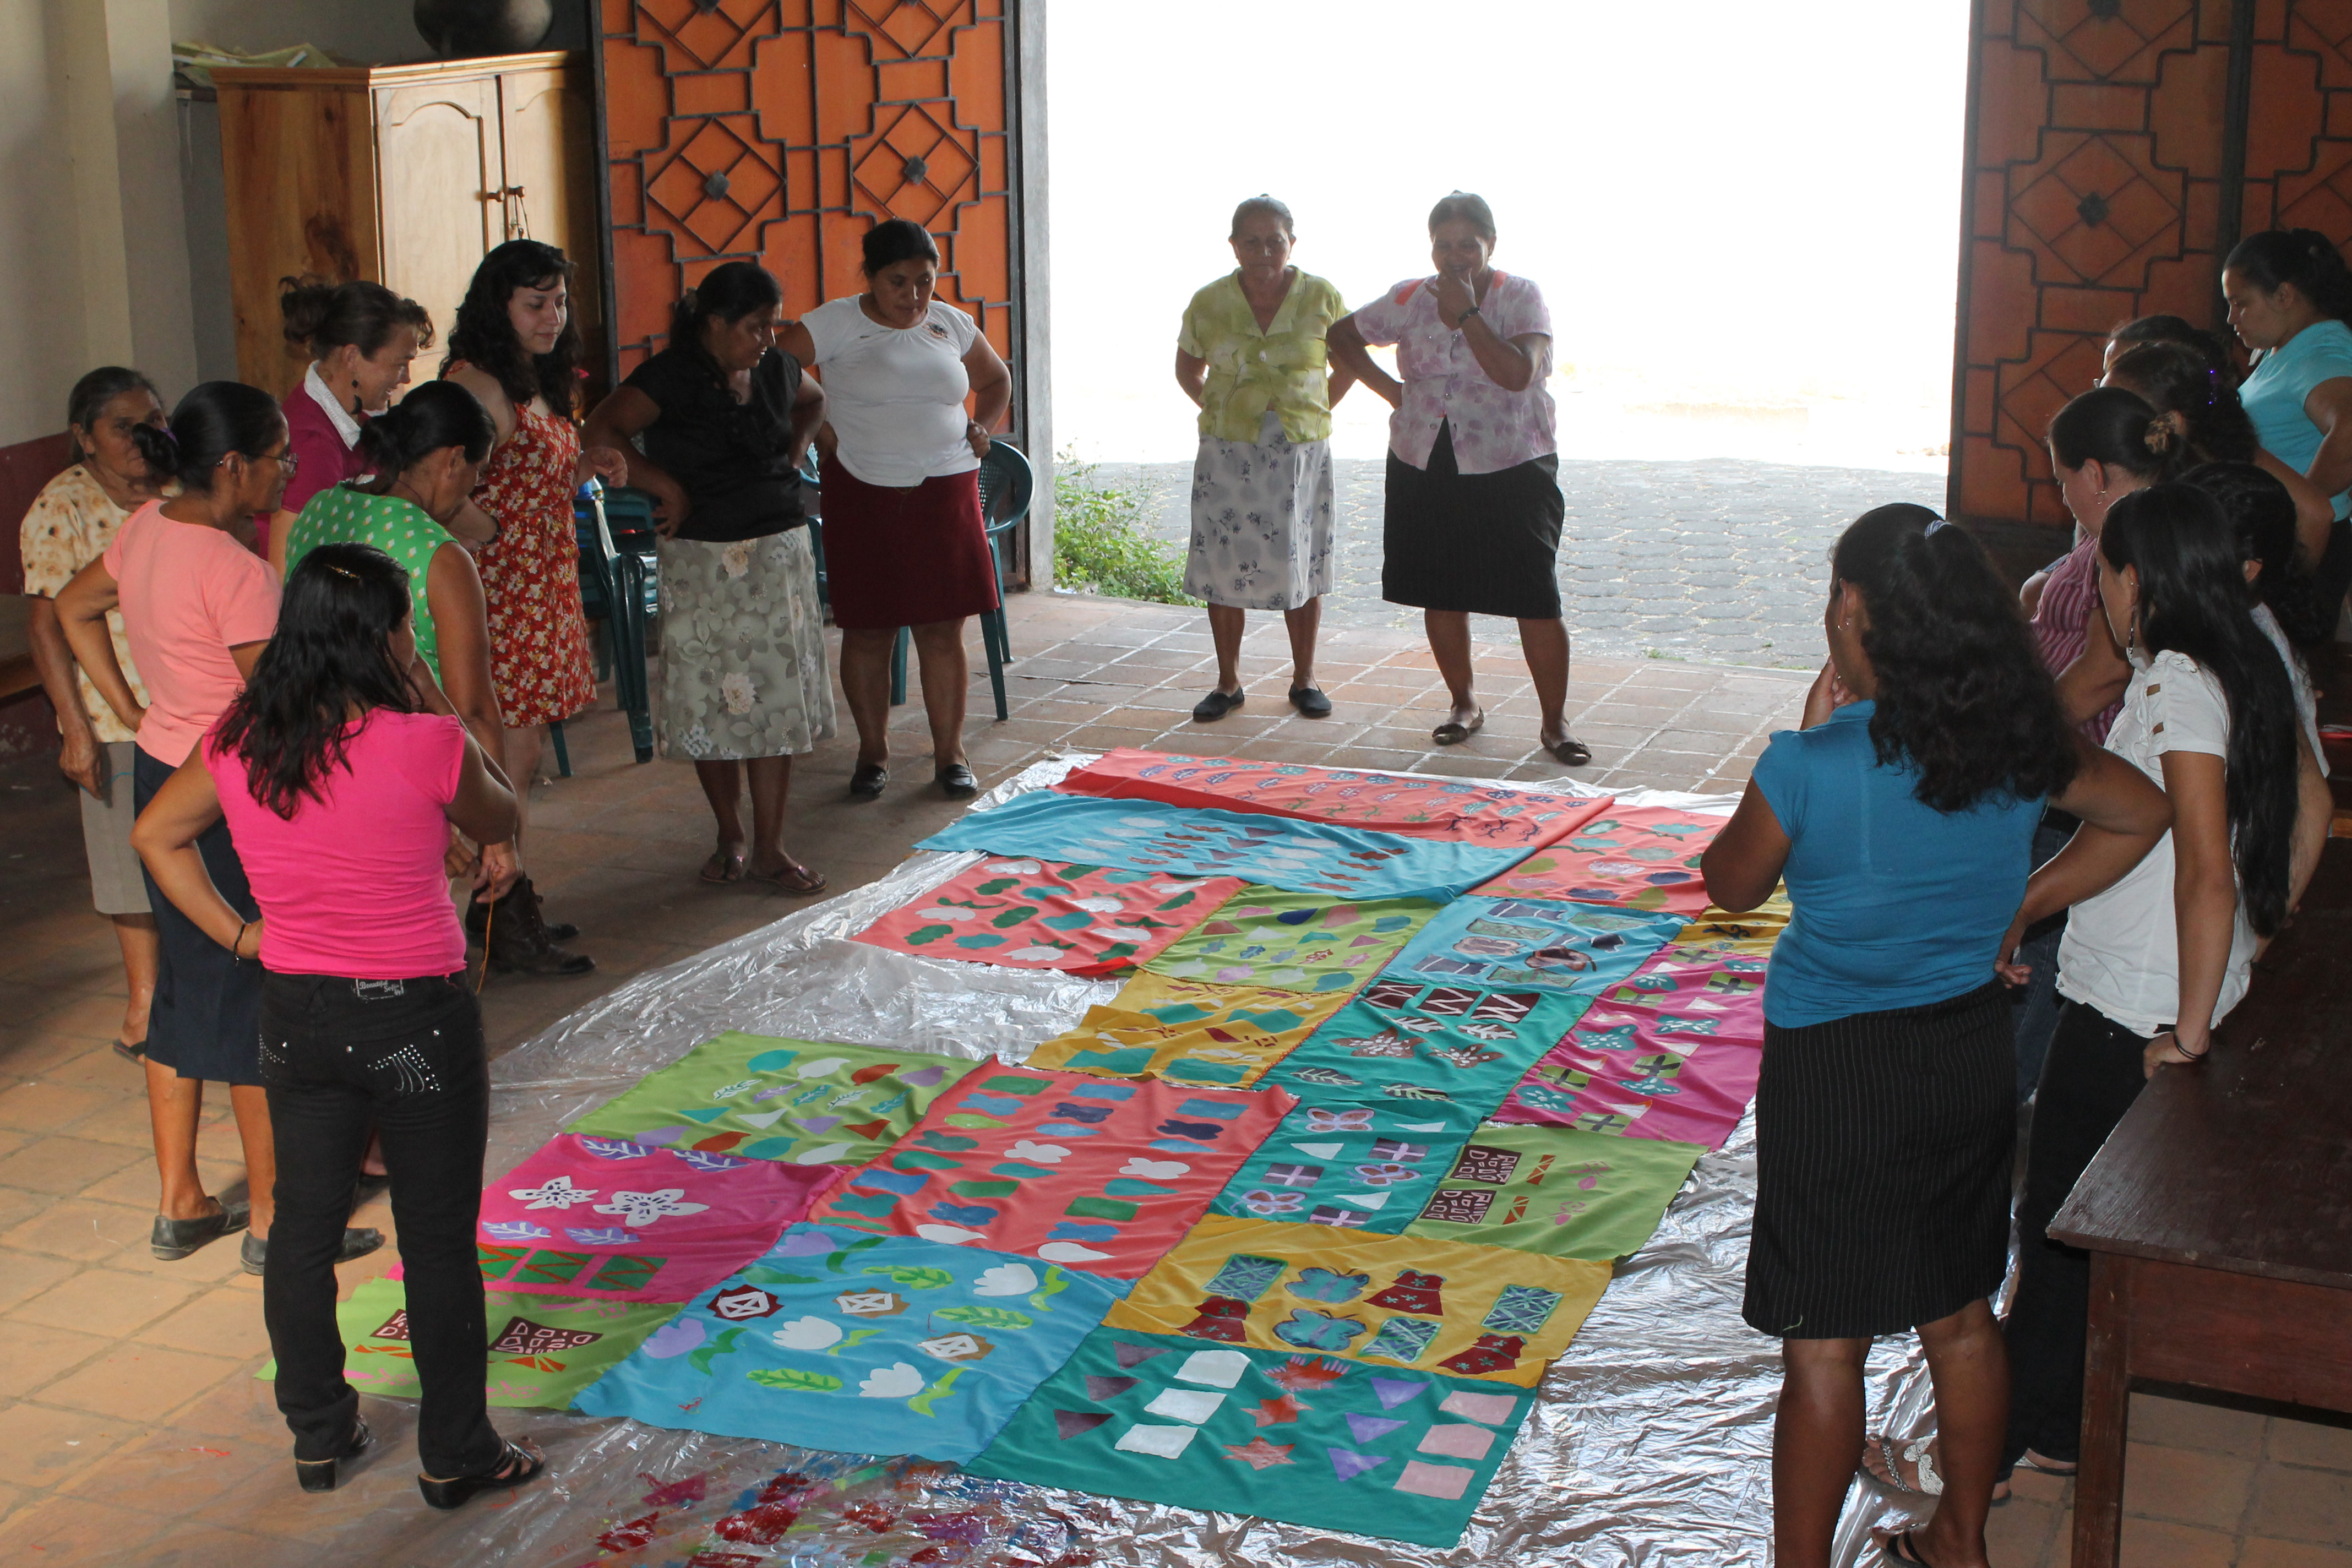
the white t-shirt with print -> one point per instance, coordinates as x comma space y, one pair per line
894, 395
2121, 953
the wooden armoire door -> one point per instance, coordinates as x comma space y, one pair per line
2115, 150
547, 117
439, 176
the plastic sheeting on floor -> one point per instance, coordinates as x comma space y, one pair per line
1648, 1448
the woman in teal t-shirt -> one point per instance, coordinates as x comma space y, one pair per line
2290, 294
1902, 815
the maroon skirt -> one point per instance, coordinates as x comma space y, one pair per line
905, 557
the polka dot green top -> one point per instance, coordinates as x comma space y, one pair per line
400, 528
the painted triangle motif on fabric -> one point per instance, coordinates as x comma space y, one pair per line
1070, 1423
1394, 1391
1368, 1427
1319, 1150
1107, 1388
1346, 1464
1135, 1355
1364, 1200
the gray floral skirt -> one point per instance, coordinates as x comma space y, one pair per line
742, 658
1261, 522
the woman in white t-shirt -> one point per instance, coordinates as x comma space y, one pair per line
900, 451
2152, 962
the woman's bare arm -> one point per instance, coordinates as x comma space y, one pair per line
82, 604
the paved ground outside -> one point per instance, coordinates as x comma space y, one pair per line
1711, 559
131, 1428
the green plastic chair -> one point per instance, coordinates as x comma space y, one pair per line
619, 590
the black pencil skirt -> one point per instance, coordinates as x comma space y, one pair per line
1884, 1150
1486, 543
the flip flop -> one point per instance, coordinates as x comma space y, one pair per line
794, 878
1891, 1453
1897, 1545
728, 867
134, 1055
1453, 734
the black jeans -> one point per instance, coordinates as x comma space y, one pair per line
2036, 1003
405, 1056
2090, 1078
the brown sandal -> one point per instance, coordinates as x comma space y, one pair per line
728, 867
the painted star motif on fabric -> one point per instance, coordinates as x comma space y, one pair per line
1302, 1372
1280, 1411
555, 1193
643, 1208
1259, 1454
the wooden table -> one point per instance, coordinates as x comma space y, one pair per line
2218, 1215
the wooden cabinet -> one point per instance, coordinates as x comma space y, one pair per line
407, 175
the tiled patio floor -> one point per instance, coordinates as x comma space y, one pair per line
132, 1429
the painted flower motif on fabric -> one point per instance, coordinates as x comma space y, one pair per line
1320, 1119
735, 688
555, 1193
643, 1208
736, 558
1271, 1206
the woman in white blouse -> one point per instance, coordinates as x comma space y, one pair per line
899, 453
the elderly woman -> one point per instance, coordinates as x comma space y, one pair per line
1473, 505
904, 543
722, 415
1251, 355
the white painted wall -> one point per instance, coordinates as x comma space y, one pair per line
40, 302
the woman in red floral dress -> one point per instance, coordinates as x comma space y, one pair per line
515, 347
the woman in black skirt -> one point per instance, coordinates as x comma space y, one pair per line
1474, 506
1902, 815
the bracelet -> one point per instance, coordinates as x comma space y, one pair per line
237, 942
1463, 317
2193, 1055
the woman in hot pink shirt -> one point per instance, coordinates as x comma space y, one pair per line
340, 794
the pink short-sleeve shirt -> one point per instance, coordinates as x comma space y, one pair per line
189, 593
2062, 622
1493, 430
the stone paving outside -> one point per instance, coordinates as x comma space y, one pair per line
131, 1427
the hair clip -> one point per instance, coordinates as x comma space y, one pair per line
341, 571
1932, 526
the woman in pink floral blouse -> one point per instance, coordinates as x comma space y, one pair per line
1474, 507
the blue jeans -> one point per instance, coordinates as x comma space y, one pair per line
2036, 1007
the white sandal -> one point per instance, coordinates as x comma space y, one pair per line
1919, 1453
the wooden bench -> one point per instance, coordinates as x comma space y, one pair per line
2218, 1215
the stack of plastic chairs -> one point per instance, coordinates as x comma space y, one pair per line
620, 589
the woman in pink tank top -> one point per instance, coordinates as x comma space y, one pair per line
339, 769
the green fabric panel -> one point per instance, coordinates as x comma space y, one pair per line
1557, 1191
799, 1101
1294, 942
543, 1349
1374, 1451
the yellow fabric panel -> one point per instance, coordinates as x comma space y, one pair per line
1189, 1031
1320, 1289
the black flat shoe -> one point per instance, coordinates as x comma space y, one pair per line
1216, 706
172, 1239
1570, 751
320, 1475
866, 783
1310, 701
958, 782
358, 1242
515, 1467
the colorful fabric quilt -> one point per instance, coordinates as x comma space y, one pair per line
1670, 1053
767, 1098
1048, 914
1407, 1039
1312, 1439
1752, 932
1299, 857
1367, 1167
862, 1344
1473, 1311
1642, 857
1294, 942
1576, 949
603, 1217
1390, 802
1090, 1173
1189, 1032
1556, 1190
543, 1350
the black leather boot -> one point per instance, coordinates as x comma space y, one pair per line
521, 943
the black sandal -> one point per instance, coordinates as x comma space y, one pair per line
1897, 1545
320, 1475
1570, 751
516, 1466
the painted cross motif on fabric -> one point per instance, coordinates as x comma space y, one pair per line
1504, 815
860, 1343
1404, 1038
1280, 852
761, 1097
1495, 1314
1048, 914
596, 1216
1521, 943
1091, 1172
1364, 1166
1310, 1439
1189, 1031
1672, 1054
1640, 857
1557, 1191
1294, 942
543, 1350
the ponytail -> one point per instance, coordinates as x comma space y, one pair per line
727, 292
2119, 430
215, 419
436, 414
2177, 378
2303, 256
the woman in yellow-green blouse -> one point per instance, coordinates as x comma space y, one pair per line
1251, 354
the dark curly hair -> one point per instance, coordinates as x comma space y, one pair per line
2194, 600
1962, 697
484, 338
2177, 379
290, 724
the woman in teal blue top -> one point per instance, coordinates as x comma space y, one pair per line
2290, 294
1902, 815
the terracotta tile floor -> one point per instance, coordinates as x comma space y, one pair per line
132, 1429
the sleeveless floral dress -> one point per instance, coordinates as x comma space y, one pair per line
530, 574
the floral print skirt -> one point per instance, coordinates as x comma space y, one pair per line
1261, 522
742, 658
